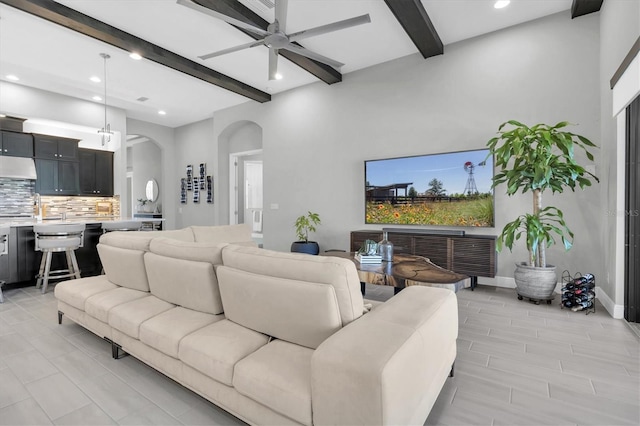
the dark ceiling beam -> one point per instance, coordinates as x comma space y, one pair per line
585, 7
74, 20
415, 21
237, 10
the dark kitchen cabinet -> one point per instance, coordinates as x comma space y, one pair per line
55, 148
96, 172
57, 177
27, 258
16, 144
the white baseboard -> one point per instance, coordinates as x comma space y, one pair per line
616, 311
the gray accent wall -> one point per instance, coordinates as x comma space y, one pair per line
316, 138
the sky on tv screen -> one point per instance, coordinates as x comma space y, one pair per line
419, 171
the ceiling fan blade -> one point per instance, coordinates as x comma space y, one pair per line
281, 14
190, 4
231, 49
336, 26
312, 55
273, 63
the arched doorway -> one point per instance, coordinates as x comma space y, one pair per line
144, 163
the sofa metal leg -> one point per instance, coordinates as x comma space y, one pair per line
117, 352
452, 368
60, 314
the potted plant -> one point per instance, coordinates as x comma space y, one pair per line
537, 159
303, 225
142, 202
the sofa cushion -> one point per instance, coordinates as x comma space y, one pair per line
140, 240
196, 251
124, 267
300, 312
164, 331
339, 273
215, 349
222, 234
99, 305
188, 283
76, 292
278, 375
128, 317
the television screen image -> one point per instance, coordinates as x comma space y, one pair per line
448, 189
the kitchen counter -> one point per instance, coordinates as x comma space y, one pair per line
20, 222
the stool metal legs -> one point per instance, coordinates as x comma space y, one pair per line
1, 296
46, 273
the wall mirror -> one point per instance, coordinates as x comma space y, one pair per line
152, 190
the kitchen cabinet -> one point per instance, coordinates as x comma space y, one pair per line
57, 177
26, 258
96, 172
55, 148
16, 144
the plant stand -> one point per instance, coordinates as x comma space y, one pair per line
537, 300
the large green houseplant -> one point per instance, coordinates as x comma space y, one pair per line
303, 225
536, 159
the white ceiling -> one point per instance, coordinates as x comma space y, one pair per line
50, 57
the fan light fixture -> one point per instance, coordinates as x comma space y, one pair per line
501, 3
105, 132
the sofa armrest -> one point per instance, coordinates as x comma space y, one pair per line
389, 366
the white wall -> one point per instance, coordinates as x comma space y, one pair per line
619, 28
194, 145
317, 137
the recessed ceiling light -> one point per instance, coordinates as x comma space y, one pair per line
136, 56
501, 3
12, 77
2, 115
95, 79
278, 76
96, 98
161, 112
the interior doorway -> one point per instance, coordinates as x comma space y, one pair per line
246, 189
632, 215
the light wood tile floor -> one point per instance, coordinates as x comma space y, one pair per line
518, 364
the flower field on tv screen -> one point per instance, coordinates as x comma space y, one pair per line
475, 212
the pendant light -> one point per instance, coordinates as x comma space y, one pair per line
106, 130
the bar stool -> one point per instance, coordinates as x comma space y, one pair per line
58, 238
4, 250
121, 225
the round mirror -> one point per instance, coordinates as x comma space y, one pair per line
152, 190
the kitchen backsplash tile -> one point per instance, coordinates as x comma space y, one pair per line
16, 196
17, 199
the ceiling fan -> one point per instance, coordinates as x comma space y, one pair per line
275, 37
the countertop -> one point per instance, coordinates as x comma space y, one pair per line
19, 222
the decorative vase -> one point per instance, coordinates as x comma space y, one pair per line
308, 247
535, 282
385, 248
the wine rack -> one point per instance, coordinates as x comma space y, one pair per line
578, 292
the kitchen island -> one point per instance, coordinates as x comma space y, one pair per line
22, 264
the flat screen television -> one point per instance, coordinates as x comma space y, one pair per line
449, 189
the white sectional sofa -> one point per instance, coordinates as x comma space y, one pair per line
273, 338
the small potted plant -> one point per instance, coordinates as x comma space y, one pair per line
535, 159
303, 225
142, 202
